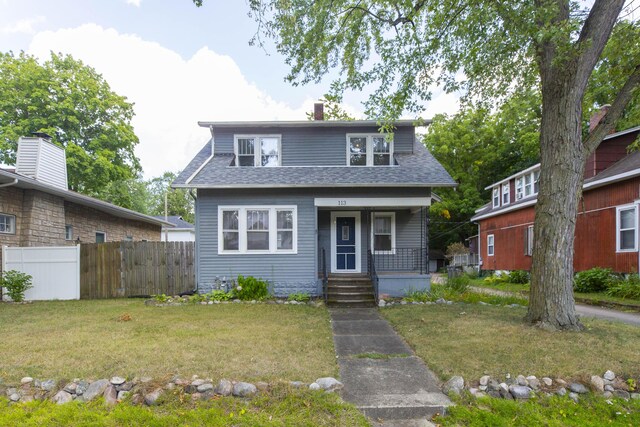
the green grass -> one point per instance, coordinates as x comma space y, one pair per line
282, 406
474, 340
590, 411
87, 339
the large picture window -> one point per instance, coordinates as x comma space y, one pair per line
257, 229
257, 150
369, 150
627, 228
383, 232
7, 224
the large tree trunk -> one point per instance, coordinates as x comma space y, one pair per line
562, 158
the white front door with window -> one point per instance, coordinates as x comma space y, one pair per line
345, 242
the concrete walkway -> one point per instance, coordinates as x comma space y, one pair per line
583, 310
396, 390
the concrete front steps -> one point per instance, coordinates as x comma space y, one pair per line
350, 290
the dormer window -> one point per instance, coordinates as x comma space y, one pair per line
496, 197
257, 150
527, 185
505, 194
369, 150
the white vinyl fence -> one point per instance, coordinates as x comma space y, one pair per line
55, 270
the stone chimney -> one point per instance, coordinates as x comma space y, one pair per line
597, 116
41, 160
318, 111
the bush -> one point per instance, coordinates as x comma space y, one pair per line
458, 284
595, 280
219, 295
519, 277
627, 288
298, 297
250, 288
16, 284
496, 279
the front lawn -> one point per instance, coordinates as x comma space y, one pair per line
94, 339
473, 340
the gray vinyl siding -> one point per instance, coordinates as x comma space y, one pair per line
312, 146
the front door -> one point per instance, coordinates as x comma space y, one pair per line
346, 242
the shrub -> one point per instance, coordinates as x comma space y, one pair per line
496, 279
220, 295
250, 288
595, 280
458, 284
520, 277
161, 298
627, 288
16, 283
299, 297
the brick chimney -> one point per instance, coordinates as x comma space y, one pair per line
597, 116
318, 111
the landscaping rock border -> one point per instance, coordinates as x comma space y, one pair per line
522, 388
180, 301
144, 390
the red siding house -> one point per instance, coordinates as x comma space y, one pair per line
607, 231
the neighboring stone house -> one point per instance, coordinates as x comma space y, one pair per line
37, 209
322, 207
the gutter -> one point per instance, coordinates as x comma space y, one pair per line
9, 184
195, 199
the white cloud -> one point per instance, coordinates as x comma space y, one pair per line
170, 94
24, 26
135, 3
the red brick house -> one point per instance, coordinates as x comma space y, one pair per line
607, 231
37, 209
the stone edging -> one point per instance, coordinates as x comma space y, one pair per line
143, 390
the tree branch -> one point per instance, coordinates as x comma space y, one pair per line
608, 122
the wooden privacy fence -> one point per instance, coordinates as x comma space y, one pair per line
131, 269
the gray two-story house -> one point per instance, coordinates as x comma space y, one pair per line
321, 207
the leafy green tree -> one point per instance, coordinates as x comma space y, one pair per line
488, 49
179, 202
75, 105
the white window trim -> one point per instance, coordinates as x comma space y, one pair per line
13, 231
506, 191
66, 236
495, 197
635, 227
369, 137
392, 215
273, 230
257, 151
491, 243
529, 251
103, 233
520, 188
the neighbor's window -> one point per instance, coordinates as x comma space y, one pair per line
68, 232
384, 232
519, 188
627, 226
490, 247
101, 237
528, 240
7, 224
257, 150
257, 229
505, 194
496, 197
369, 150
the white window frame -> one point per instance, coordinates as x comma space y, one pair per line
495, 197
620, 209
11, 220
525, 190
68, 232
506, 191
103, 234
369, 154
257, 148
491, 247
529, 241
392, 215
273, 229
519, 188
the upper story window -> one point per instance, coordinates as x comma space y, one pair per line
369, 150
505, 194
527, 185
257, 150
496, 197
7, 224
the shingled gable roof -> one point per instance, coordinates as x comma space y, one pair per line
417, 169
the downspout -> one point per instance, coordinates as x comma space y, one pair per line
195, 199
9, 184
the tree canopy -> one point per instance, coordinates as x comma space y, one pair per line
75, 105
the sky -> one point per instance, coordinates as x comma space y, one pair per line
177, 63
